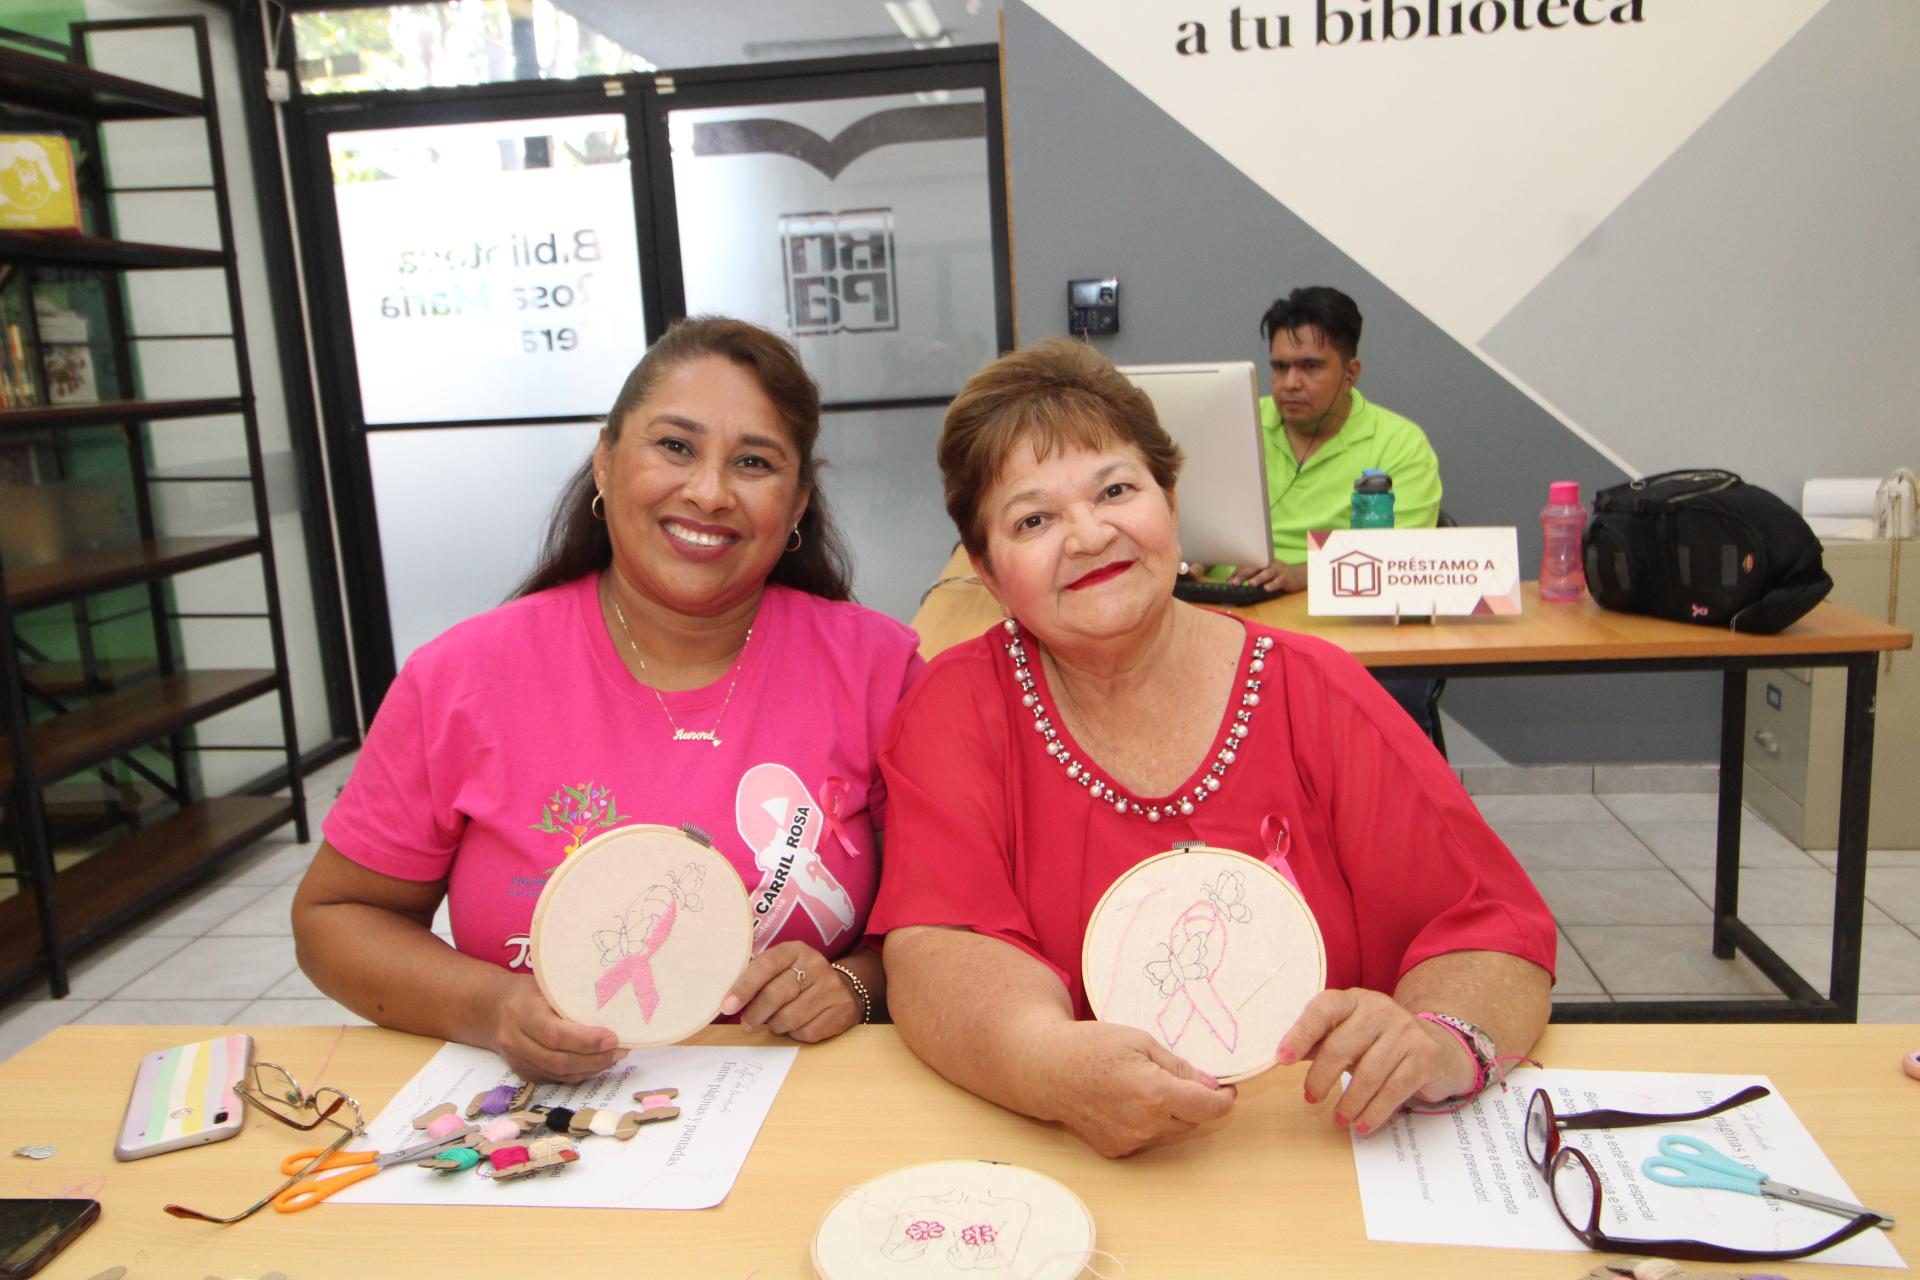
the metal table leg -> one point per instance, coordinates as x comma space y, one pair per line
1856, 784
1733, 755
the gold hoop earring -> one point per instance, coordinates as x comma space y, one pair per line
598, 507
794, 540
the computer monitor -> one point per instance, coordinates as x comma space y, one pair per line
1212, 412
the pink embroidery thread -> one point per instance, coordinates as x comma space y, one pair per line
925, 1229
979, 1236
637, 969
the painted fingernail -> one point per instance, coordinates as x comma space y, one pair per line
1313, 1099
730, 1005
1287, 1056
1211, 1082
1363, 1129
1340, 1120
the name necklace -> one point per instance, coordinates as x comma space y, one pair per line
712, 735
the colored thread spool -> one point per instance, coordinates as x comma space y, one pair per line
559, 1118
499, 1100
605, 1123
653, 1100
508, 1158
500, 1130
463, 1158
445, 1126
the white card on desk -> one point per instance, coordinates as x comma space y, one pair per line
689, 1163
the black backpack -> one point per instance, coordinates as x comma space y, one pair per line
1705, 547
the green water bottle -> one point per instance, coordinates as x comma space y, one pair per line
1373, 500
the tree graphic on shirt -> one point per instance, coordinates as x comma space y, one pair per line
574, 811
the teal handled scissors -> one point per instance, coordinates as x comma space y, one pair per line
1689, 1162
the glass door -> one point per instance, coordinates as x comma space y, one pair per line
486, 297
491, 264
859, 213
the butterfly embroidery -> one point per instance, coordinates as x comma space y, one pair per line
1189, 964
686, 886
628, 939
1226, 894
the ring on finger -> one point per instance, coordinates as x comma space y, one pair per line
800, 976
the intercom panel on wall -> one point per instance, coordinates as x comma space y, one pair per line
1093, 306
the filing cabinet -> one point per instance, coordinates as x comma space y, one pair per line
1794, 715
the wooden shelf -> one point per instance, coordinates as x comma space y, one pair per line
41, 249
118, 567
102, 892
108, 726
111, 412
57, 679
69, 88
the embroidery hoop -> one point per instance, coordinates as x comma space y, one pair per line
1056, 1240
1127, 932
591, 898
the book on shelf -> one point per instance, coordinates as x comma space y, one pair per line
37, 187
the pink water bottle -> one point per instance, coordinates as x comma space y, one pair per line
1562, 577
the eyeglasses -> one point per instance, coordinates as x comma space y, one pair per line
273, 1089
1577, 1194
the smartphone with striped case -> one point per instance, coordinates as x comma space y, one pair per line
185, 1097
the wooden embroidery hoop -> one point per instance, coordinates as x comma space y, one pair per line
1282, 933
592, 898
1056, 1241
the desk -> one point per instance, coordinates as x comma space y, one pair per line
1583, 638
1271, 1189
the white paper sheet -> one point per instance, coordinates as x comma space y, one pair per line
1465, 1179
689, 1163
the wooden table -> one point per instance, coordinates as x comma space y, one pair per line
1584, 639
1269, 1192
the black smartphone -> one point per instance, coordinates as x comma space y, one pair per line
33, 1231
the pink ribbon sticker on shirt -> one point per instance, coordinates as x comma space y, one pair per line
636, 970
782, 824
1196, 946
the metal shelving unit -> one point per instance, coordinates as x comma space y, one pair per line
65, 717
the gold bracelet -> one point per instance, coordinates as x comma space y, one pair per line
859, 989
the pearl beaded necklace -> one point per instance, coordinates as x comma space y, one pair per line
1105, 791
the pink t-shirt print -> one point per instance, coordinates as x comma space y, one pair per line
781, 822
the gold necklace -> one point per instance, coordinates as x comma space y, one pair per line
684, 735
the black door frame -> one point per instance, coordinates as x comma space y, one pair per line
645, 100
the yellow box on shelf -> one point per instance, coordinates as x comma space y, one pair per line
37, 188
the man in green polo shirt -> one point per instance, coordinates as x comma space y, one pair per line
1321, 433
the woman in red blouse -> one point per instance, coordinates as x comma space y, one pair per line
1159, 722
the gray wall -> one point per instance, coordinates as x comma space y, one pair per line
1103, 182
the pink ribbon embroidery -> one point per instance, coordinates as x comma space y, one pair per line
636, 970
1200, 924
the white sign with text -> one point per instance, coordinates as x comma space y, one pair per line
1413, 572
501, 295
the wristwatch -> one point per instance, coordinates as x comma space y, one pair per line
1479, 1045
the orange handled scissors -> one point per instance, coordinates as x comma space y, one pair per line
311, 1189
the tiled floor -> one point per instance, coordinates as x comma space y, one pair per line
1627, 874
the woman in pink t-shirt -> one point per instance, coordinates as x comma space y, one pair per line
685, 652
1106, 721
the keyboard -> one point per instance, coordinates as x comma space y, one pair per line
1220, 594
